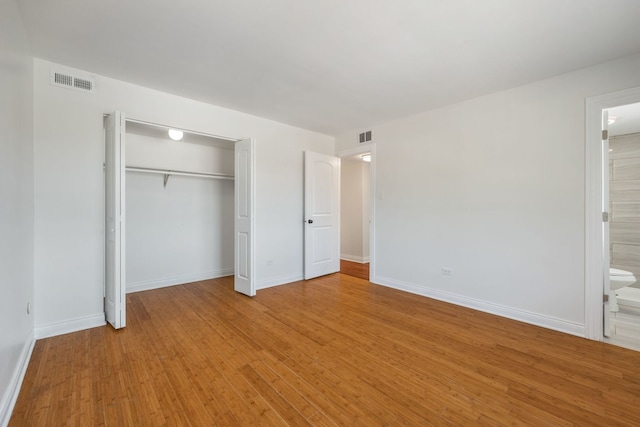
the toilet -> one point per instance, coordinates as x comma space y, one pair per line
618, 279
628, 299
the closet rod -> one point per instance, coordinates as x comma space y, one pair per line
180, 173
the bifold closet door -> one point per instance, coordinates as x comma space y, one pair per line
114, 301
244, 279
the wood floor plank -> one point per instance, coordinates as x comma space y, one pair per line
336, 350
281, 387
334, 406
355, 269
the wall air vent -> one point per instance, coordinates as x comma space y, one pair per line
71, 82
365, 137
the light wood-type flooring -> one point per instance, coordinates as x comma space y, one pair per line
336, 350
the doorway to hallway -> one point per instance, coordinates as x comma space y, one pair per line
356, 213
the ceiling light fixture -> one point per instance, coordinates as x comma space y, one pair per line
176, 134
612, 120
366, 157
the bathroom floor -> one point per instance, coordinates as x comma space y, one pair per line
625, 330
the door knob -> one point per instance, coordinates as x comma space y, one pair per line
310, 221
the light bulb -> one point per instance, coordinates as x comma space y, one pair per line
175, 134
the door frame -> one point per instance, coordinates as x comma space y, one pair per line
606, 234
252, 198
594, 235
369, 147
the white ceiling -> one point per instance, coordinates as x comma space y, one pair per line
331, 65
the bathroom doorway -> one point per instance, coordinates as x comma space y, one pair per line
598, 245
621, 197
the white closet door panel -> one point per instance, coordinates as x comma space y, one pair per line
244, 280
115, 303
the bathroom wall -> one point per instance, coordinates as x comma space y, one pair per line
624, 199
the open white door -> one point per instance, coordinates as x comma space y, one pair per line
244, 280
605, 224
322, 214
115, 293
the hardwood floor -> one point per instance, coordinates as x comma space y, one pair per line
331, 351
355, 269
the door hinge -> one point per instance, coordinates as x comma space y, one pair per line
605, 134
605, 298
605, 216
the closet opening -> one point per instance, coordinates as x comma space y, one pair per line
178, 209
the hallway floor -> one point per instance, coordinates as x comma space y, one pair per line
355, 269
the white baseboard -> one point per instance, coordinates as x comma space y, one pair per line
353, 258
9, 401
487, 307
179, 280
71, 325
277, 281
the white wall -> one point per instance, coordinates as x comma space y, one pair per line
69, 188
178, 234
194, 153
16, 204
354, 210
493, 188
182, 232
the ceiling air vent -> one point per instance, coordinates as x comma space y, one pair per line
71, 82
365, 136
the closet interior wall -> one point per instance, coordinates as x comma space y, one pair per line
182, 231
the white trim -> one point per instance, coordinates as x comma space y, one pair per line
178, 280
372, 216
593, 310
10, 398
487, 307
277, 281
354, 258
70, 325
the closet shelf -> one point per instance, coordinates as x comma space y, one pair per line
167, 173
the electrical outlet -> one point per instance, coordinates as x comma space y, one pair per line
447, 271
269, 262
